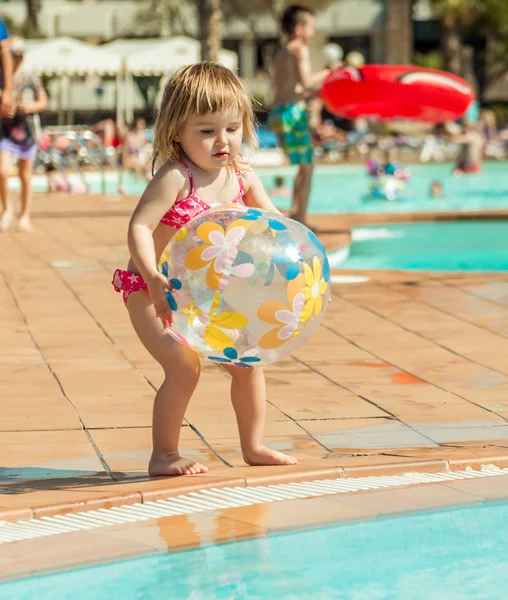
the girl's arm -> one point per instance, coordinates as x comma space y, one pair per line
157, 199
6, 60
159, 196
256, 195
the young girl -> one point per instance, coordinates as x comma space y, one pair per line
204, 116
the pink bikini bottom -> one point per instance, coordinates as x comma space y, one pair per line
128, 282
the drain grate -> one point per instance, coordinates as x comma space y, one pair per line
213, 499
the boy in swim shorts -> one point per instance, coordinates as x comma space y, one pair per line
292, 83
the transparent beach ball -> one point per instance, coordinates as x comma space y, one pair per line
250, 285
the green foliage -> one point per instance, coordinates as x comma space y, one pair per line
430, 60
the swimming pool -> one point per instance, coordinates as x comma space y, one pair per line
340, 188
434, 246
456, 554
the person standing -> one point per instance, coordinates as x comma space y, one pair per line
293, 82
17, 137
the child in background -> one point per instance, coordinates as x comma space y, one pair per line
204, 117
59, 182
436, 190
293, 83
279, 190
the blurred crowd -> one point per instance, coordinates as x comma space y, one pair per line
106, 144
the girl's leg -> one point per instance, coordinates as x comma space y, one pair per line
248, 395
25, 176
181, 367
7, 211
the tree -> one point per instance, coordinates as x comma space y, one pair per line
399, 31
454, 15
210, 28
33, 8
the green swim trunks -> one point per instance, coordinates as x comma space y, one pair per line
291, 124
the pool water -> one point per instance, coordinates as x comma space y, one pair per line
435, 246
341, 188
457, 554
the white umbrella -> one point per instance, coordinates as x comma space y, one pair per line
67, 56
169, 55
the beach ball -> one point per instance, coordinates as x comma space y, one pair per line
250, 285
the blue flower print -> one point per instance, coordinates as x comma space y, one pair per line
254, 214
286, 262
231, 358
177, 284
319, 245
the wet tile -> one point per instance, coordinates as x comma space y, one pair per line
72, 550
368, 433
409, 499
297, 514
491, 489
453, 433
184, 531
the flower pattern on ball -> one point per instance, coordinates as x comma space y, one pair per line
248, 359
319, 245
254, 214
218, 253
287, 317
315, 287
220, 327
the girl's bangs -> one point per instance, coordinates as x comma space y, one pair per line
219, 98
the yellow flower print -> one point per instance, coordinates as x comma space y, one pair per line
193, 312
315, 287
164, 258
217, 322
219, 251
286, 317
181, 234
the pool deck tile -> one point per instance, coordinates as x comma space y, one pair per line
25, 558
400, 501
276, 517
492, 489
184, 531
407, 369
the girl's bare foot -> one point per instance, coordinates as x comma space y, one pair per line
165, 465
267, 456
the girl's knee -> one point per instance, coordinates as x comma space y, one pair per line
182, 364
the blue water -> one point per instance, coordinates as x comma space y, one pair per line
435, 246
450, 555
341, 188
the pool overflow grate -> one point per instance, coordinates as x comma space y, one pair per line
212, 499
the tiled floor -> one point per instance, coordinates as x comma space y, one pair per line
406, 368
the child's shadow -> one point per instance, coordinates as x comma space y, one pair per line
21, 480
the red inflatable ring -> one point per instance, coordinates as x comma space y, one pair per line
387, 92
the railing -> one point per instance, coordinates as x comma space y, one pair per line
74, 148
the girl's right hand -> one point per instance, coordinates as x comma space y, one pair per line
158, 285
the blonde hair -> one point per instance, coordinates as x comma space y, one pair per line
198, 90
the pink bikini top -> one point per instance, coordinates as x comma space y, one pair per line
184, 210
